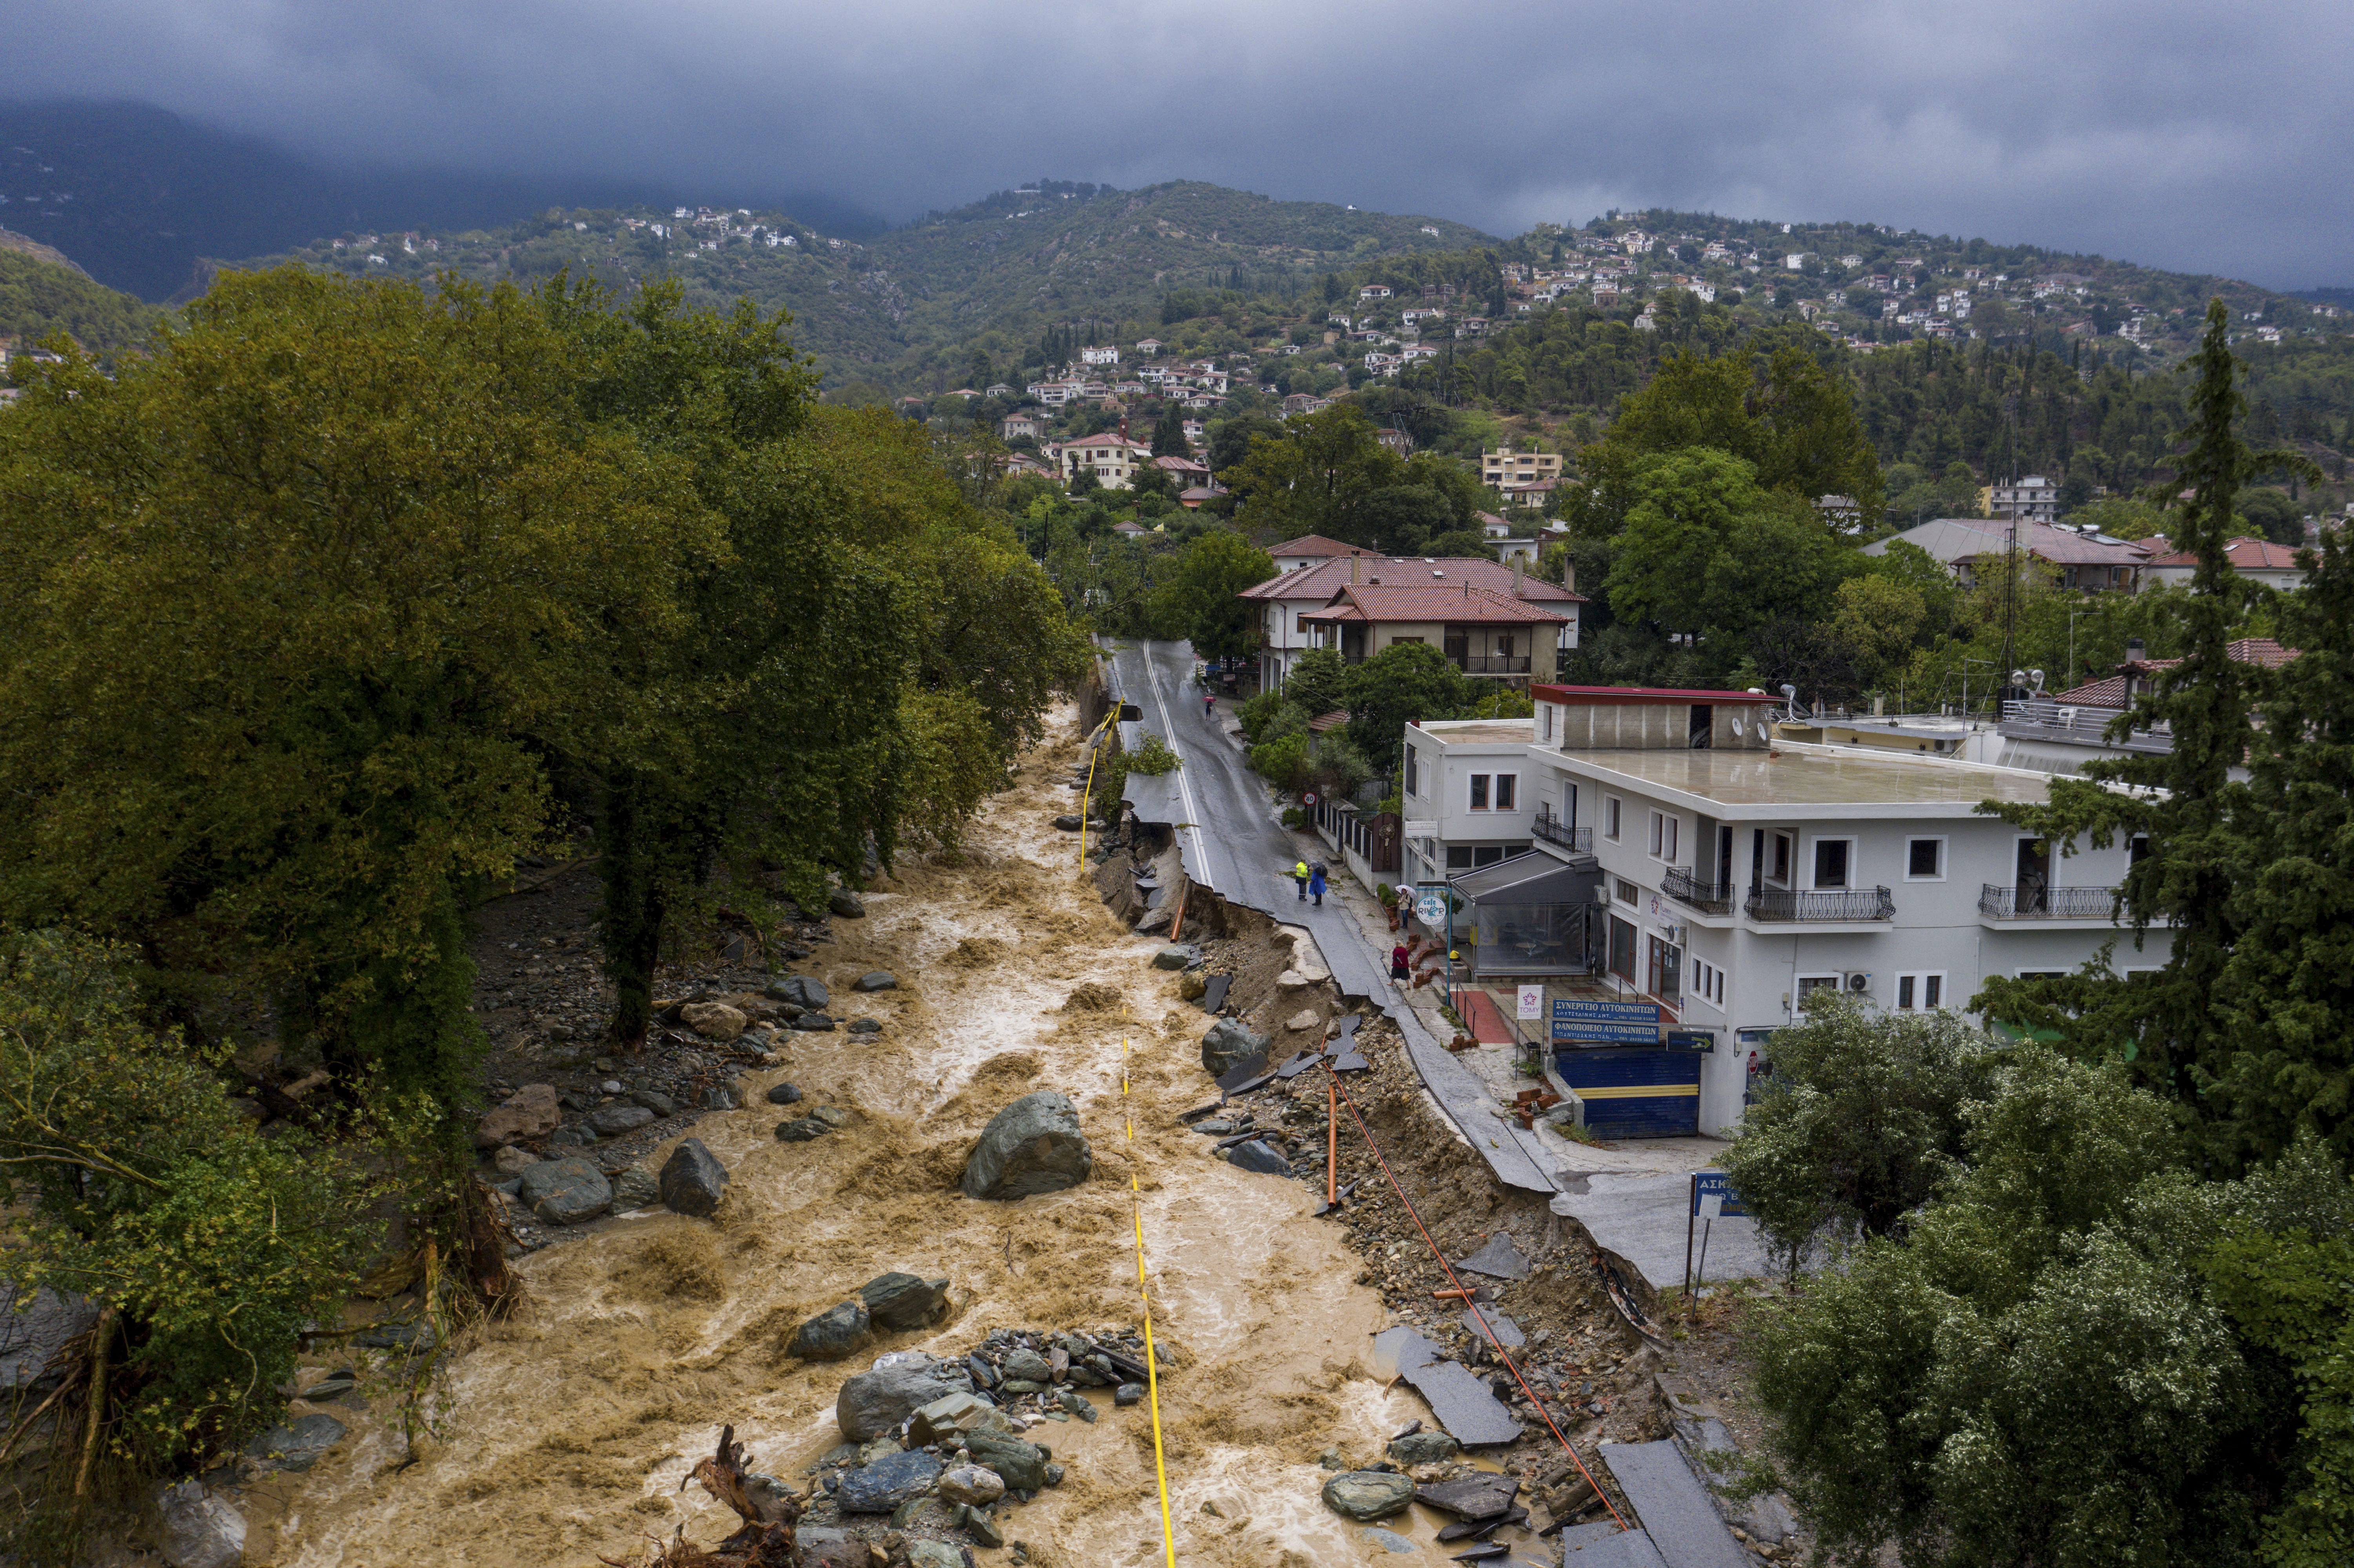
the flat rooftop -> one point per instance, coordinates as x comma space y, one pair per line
1482, 732
1804, 780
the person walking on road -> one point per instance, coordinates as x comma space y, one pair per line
1299, 875
1398, 964
1316, 883
1209, 704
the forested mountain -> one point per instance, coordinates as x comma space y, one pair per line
141, 197
909, 309
41, 292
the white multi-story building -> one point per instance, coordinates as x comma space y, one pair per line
1718, 874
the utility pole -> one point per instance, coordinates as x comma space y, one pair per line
2010, 564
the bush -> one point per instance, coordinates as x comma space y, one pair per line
1290, 720
1342, 763
1866, 1123
1296, 818
1258, 713
1283, 763
133, 1181
1155, 758
1315, 680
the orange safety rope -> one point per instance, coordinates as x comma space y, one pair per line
1538, 1404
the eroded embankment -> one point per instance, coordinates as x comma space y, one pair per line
568, 1432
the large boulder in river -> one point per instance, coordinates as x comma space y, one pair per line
903, 1301
201, 1529
804, 992
566, 1192
1228, 1044
32, 1336
1366, 1495
713, 1020
693, 1180
874, 1402
1034, 1145
531, 1113
834, 1333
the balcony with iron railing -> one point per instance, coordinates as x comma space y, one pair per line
1777, 906
1554, 831
2042, 718
2034, 903
1492, 663
1707, 897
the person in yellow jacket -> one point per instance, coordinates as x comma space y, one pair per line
1299, 875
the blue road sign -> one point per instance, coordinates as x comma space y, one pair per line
1623, 1022
1715, 1185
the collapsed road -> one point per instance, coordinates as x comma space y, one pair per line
832, 1242
1232, 842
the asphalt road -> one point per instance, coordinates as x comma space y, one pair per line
1234, 842
1232, 839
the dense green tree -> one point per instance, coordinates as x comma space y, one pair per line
1793, 420
1708, 553
2035, 1369
2271, 514
1198, 599
1315, 478
1169, 433
293, 608
2196, 1031
1231, 441
1404, 682
1316, 680
1864, 1126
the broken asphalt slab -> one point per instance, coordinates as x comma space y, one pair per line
1461, 1404
1500, 1259
1675, 1509
1619, 1548
1643, 1220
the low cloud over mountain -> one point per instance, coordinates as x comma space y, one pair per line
2182, 135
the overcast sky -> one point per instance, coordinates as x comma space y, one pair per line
2200, 136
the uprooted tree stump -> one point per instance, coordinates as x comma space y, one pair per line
766, 1538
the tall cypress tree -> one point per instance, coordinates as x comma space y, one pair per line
2190, 876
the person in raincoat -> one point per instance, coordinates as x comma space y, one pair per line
1316, 884
1299, 875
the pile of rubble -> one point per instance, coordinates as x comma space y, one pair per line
935, 1452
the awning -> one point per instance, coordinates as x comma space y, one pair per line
1529, 878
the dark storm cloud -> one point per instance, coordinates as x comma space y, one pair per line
2196, 136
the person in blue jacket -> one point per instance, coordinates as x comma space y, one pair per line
1316, 883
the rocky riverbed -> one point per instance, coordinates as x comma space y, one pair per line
818, 1096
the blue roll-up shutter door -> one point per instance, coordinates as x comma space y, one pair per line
1636, 1092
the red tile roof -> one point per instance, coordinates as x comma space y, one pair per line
1321, 579
2110, 692
2245, 555
1388, 602
1310, 544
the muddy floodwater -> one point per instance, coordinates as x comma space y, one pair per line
568, 1432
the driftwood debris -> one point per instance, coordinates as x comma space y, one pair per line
768, 1514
